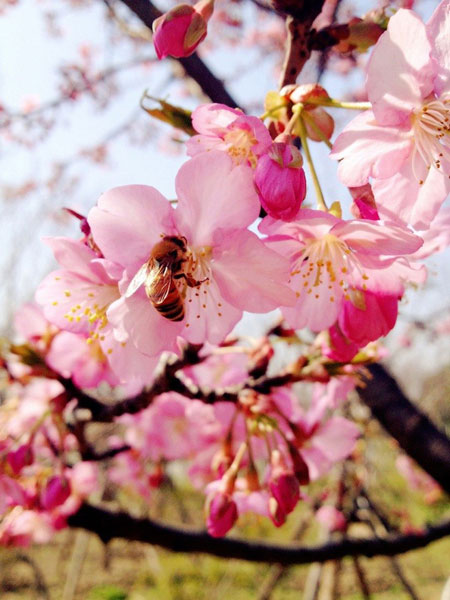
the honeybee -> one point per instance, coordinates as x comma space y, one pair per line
158, 275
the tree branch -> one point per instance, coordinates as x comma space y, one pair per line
415, 433
108, 525
193, 65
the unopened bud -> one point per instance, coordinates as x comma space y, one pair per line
221, 514
55, 493
276, 513
17, 459
179, 31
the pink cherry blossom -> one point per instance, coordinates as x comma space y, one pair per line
179, 31
76, 298
403, 142
243, 137
21, 527
331, 259
86, 363
233, 268
172, 427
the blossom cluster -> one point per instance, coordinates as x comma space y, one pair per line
148, 280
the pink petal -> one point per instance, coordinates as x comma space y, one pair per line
400, 71
336, 438
146, 328
68, 300
128, 221
211, 119
438, 31
209, 315
213, 193
375, 238
366, 149
250, 276
72, 254
402, 199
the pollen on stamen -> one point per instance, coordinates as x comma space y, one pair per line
55, 303
109, 351
57, 278
67, 293
219, 314
198, 316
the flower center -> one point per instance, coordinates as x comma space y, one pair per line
240, 143
431, 134
324, 265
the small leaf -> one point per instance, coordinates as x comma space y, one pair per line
178, 117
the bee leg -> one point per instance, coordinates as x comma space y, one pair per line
190, 280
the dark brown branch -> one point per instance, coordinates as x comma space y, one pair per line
413, 430
194, 67
108, 525
300, 17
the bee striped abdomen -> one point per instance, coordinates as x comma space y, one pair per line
172, 308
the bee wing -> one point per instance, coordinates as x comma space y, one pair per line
137, 280
158, 282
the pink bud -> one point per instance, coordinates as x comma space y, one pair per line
20, 458
55, 493
276, 513
283, 484
301, 469
281, 181
222, 514
179, 31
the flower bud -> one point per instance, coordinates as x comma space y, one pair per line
221, 514
283, 484
179, 31
316, 117
280, 181
55, 493
301, 470
20, 458
276, 513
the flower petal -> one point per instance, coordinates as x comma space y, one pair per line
366, 149
128, 221
213, 193
400, 72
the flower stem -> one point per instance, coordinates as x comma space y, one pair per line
321, 204
340, 104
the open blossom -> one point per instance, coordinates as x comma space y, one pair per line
332, 259
230, 266
244, 138
76, 298
403, 143
179, 31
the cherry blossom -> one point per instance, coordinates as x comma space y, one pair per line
244, 138
403, 142
232, 268
332, 259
